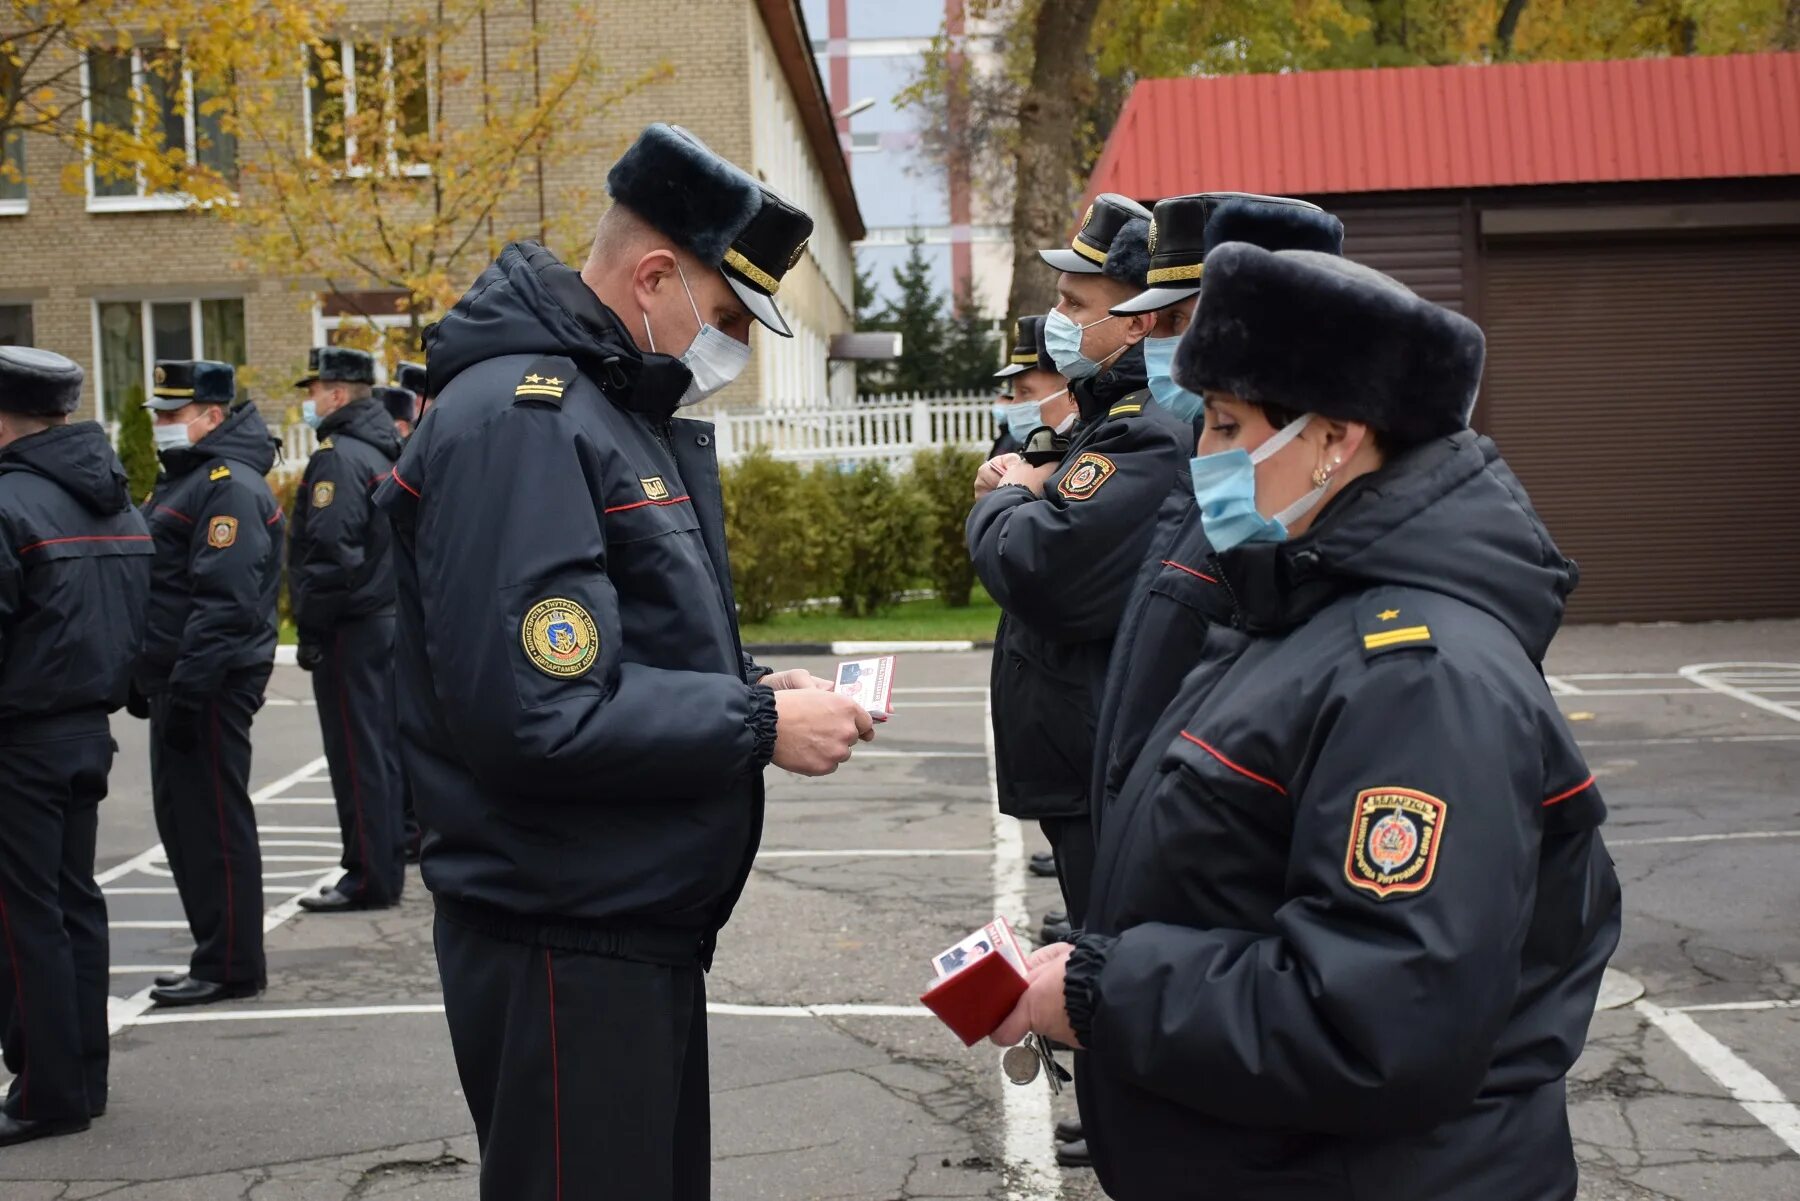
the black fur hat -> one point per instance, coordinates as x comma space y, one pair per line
411, 376
1315, 333
1128, 258
38, 383
672, 179
1274, 225
402, 404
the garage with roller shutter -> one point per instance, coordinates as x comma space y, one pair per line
1627, 233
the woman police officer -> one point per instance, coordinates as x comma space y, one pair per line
1351, 906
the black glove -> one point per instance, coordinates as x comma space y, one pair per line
181, 725
309, 656
136, 703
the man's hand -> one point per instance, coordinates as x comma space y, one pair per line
1031, 477
136, 703
1042, 1009
795, 677
988, 478
815, 730
308, 655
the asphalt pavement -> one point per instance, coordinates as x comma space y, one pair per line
830, 1081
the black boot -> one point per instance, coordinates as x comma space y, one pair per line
1043, 863
1074, 1155
23, 1130
193, 991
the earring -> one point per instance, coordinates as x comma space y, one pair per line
1321, 476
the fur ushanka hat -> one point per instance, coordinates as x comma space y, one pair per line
1315, 333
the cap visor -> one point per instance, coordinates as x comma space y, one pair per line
1064, 259
1152, 299
761, 306
168, 404
1010, 370
301, 383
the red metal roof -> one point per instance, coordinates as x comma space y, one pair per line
1412, 128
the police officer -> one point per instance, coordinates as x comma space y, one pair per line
407, 411
584, 732
1179, 593
74, 574
1029, 379
208, 651
341, 585
1352, 906
402, 405
1057, 534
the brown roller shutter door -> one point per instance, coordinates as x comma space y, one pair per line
1648, 394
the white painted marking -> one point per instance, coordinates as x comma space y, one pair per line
148, 925
1747, 1086
718, 1009
1620, 675
274, 801
909, 706
1679, 838
962, 688
287, 654
1561, 687
1689, 741
291, 906
160, 890
1704, 675
135, 863
899, 648
1589, 693
287, 701
138, 969
1737, 1006
884, 854
262, 829
1025, 1110
919, 755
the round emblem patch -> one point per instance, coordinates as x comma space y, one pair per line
1392, 842
1082, 478
560, 638
323, 493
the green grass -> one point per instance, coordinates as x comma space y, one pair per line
909, 621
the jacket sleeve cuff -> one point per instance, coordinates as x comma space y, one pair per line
762, 725
1081, 982
754, 671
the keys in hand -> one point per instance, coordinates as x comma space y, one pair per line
1023, 1063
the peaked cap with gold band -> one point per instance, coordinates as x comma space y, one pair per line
180, 382
1184, 228
1028, 352
1092, 246
714, 211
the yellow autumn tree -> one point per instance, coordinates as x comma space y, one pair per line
391, 157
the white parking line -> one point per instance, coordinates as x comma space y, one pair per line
1689, 741
1736, 1006
1025, 1110
295, 800
1675, 838
1747, 1086
716, 1009
969, 688
148, 925
1708, 675
920, 755
882, 854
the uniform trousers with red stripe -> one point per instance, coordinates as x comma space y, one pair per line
208, 829
354, 687
586, 1074
53, 950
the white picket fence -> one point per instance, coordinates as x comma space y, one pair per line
888, 428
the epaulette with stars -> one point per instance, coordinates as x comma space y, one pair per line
545, 381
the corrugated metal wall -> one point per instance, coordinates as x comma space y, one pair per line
1647, 392
1419, 245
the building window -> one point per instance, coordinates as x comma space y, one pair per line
149, 93
368, 104
347, 320
15, 325
170, 329
12, 148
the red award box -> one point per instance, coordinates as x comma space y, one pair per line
980, 979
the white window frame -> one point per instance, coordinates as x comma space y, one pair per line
153, 202
349, 169
148, 335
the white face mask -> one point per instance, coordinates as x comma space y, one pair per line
170, 437
714, 358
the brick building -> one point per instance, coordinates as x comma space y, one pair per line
116, 278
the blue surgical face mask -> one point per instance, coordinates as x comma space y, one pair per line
1000, 411
1225, 488
309, 413
1062, 338
1021, 418
1159, 361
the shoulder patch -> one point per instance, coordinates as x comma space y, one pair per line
1086, 475
1386, 623
323, 493
545, 380
1394, 838
560, 638
655, 488
1131, 406
324, 444
221, 531
221, 472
